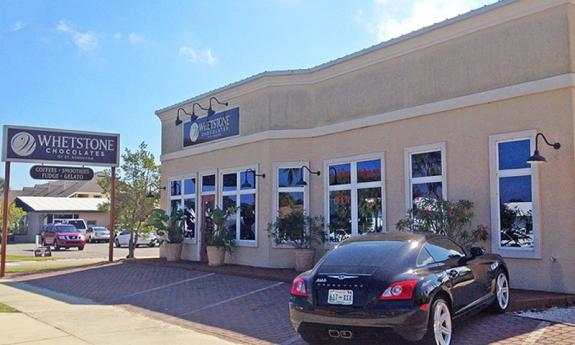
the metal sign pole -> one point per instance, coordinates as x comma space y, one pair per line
5, 219
112, 216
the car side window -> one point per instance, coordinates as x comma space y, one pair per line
443, 249
424, 258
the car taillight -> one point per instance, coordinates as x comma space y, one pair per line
298, 288
399, 290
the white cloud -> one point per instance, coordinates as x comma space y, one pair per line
17, 26
135, 38
198, 56
117, 36
391, 20
85, 41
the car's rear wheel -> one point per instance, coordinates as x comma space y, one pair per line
151, 245
440, 328
80, 248
502, 294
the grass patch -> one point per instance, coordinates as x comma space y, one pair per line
7, 309
16, 258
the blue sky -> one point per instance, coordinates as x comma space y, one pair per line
108, 65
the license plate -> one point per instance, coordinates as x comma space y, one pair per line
343, 297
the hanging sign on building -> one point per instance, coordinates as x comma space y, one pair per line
50, 172
46, 145
208, 128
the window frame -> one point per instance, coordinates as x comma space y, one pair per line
238, 192
182, 197
353, 186
410, 181
494, 175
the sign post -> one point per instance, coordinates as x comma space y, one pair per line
47, 145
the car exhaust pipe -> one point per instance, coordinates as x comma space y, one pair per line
345, 334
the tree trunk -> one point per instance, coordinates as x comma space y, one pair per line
132, 245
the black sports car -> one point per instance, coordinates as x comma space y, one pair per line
413, 284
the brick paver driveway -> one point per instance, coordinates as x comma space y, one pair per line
250, 310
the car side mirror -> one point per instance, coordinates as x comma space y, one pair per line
475, 252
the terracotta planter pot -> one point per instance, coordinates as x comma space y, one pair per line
304, 259
216, 255
173, 251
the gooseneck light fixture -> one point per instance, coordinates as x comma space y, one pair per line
178, 120
301, 181
536, 158
246, 184
210, 110
193, 117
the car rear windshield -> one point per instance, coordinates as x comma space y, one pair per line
100, 229
367, 253
66, 228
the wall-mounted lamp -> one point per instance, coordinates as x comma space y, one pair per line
210, 110
301, 181
193, 117
246, 184
178, 121
537, 158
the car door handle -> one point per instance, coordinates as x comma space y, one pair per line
453, 273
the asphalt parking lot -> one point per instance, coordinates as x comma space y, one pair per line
250, 310
91, 251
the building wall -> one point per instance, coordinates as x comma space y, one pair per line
463, 58
466, 132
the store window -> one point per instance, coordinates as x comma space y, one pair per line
289, 195
513, 194
355, 198
425, 173
238, 191
183, 197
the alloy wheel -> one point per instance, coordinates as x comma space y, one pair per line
502, 286
442, 323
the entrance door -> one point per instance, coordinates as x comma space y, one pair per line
207, 205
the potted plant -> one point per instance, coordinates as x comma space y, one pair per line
218, 239
300, 231
444, 217
170, 230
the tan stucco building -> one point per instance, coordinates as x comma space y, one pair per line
466, 97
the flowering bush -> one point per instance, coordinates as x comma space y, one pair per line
444, 217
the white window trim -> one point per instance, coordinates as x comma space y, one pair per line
409, 181
276, 190
354, 186
183, 196
525, 253
238, 193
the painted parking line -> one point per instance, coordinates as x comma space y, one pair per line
231, 299
160, 287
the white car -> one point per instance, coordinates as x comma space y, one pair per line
143, 239
97, 234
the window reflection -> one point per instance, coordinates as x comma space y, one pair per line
516, 211
426, 164
190, 221
230, 182
369, 171
247, 217
248, 180
340, 174
339, 215
209, 183
427, 190
190, 186
176, 188
370, 217
289, 202
229, 201
514, 154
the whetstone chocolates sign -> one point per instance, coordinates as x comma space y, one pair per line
218, 126
45, 145
48, 172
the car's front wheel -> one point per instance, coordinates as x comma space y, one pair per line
440, 327
117, 244
502, 294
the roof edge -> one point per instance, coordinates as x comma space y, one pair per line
365, 51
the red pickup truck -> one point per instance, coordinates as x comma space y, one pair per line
62, 236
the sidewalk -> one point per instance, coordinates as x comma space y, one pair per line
48, 318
